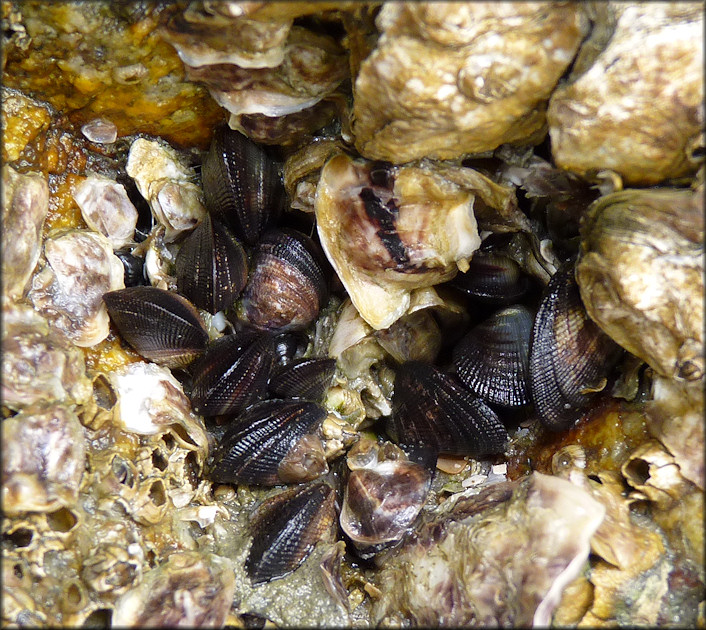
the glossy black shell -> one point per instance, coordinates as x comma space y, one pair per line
434, 408
212, 266
492, 360
232, 374
161, 325
285, 529
256, 444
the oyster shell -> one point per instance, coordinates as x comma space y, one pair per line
107, 209
456, 570
25, 203
638, 109
641, 275
39, 365
447, 79
44, 459
387, 231
189, 589
167, 185
79, 268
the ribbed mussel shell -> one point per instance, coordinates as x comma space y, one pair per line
286, 527
212, 267
303, 378
383, 496
570, 356
162, 326
492, 360
272, 442
287, 284
492, 278
434, 408
242, 186
232, 373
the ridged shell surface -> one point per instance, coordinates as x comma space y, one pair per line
212, 266
242, 186
162, 326
287, 285
492, 360
232, 374
253, 448
286, 528
570, 356
303, 378
492, 278
434, 408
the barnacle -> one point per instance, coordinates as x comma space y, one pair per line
451, 160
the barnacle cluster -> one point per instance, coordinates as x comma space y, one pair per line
339, 313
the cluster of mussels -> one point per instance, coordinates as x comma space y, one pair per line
262, 400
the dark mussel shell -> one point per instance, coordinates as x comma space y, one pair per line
570, 356
434, 408
287, 284
493, 279
492, 360
383, 496
162, 326
303, 378
286, 527
134, 267
242, 186
212, 266
272, 442
232, 373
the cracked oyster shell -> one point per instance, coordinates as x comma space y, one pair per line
638, 109
79, 268
456, 569
388, 231
25, 204
452, 78
641, 275
44, 456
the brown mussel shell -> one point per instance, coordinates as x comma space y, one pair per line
434, 408
493, 279
303, 378
272, 442
286, 527
242, 186
162, 326
570, 356
212, 266
287, 284
232, 373
492, 360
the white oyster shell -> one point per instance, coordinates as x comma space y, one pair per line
107, 209
80, 267
150, 400
432, 232
167, 185
25, 204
